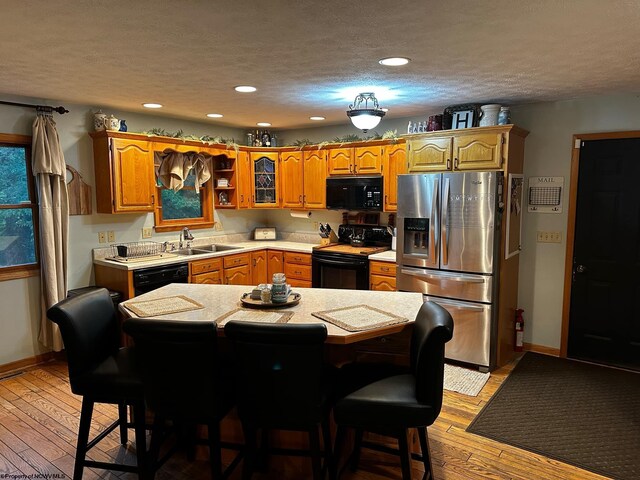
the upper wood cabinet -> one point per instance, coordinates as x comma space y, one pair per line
291, 179
124, 174
484, 148
243, 174
355, 161
264, 180
315, 179
393, 164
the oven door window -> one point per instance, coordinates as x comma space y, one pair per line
335, 273
338, 277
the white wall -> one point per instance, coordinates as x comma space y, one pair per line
548, 152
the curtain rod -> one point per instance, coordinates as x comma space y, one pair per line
61, 110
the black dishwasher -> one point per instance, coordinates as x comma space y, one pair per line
147, 279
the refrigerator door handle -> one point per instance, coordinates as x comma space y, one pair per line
457, 306
442, 276
432, 226
445, 220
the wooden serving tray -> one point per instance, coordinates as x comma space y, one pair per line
247, 301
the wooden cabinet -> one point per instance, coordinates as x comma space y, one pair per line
297, 268
225, 181
124, 174
315, 179
355, 161
206, 271
237, 269
291, 179
393, 164
382, 276
275, 263
243, 174
484, 148
259, 267
264, 180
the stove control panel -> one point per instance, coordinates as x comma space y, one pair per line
372, 235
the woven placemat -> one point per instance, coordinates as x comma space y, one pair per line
252, 315
359, 317
163, 306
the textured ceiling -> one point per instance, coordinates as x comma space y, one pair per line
311, 57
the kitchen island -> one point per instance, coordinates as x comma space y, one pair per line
219, 300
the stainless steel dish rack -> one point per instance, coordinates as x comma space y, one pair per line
134, 250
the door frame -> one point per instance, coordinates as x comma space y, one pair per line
571, 223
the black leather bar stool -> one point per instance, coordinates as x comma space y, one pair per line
184, 382
395, 404
101, 372
282, 383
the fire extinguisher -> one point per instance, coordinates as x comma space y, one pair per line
519, 330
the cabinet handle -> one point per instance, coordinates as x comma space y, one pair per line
242, 198
384, 269
349, 168
455, 163
153, 199
385, 198
300, 199
448, 163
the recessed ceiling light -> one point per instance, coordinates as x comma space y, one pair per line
394, 61
316, 118
152, 105
245, 88
214, 115
263, 124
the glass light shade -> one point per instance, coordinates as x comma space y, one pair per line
365, 122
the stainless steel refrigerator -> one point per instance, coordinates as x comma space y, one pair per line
447, 248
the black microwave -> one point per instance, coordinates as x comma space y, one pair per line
354, 193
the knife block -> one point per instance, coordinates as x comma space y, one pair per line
332, 238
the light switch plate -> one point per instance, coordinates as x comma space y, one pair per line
111, 236
147, 232
549, 237
102, 237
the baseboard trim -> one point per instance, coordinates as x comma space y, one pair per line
30, 362
532, 347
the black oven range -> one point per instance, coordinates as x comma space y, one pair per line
345, 264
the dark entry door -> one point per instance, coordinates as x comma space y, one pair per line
604, 324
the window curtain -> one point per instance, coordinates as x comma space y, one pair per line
175, 167
49, 170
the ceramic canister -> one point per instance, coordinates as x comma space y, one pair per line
98, 120
489, 114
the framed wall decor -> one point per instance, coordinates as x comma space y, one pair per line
461, 116
514, 215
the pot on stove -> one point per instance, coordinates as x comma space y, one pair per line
357, 241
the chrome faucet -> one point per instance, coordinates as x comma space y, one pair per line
186, 235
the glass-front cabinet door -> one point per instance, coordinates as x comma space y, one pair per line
264, 176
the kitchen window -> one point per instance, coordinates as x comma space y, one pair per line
185, 207
18, 209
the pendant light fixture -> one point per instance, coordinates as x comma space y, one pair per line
365, 113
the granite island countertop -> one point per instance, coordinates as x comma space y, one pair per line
219, 300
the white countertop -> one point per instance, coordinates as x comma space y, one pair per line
221, 299
387, 256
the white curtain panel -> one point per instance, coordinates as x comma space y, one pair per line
49, 168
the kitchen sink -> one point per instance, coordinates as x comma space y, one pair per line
216, 248
191, 251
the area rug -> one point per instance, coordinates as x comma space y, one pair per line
464, 380
581, 414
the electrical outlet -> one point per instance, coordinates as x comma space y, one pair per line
111, 236
102, 237
315, 226
147, 232
549, 237
217, 226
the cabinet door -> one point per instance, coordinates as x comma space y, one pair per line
275, 263
291, 179
478, 151
367, 160
315, 179
393, 164
238, 275
264, 180
133, 176
211, 278
379, 282
340, 161
243, 172
259, 267
429, 154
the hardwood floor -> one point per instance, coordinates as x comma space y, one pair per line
39, 420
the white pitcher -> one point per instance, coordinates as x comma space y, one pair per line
489, 115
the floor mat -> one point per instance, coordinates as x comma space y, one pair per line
581, 414
464, 380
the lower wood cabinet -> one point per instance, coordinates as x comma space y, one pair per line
206, 271
237, 269
275, 263
382, 276
259, 267
297, 268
